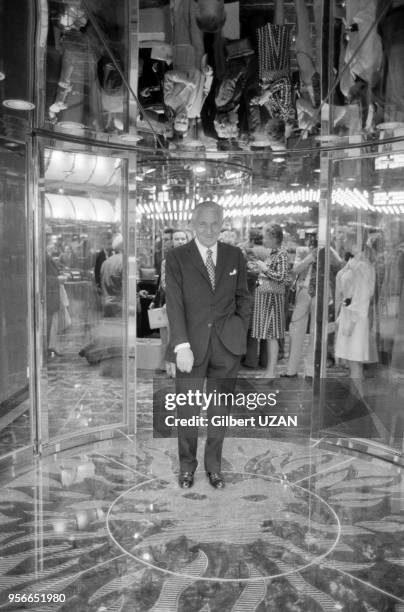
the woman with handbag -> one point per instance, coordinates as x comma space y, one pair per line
269, 304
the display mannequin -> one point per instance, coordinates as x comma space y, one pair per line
353, 334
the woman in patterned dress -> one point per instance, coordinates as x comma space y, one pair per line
269, 304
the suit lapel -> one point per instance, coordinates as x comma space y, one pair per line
198, 261
219, 263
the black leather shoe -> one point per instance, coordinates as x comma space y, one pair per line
216, 480
186, 480
288, 375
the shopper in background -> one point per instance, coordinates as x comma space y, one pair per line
179, 237
269, 306
103, 254
111, 280
304, 270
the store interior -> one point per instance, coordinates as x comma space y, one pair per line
106, 166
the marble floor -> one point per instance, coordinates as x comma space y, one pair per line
77, 396
301, 526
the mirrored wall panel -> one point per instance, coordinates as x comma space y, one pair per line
85, 66
15, 424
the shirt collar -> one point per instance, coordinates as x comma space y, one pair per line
203, 250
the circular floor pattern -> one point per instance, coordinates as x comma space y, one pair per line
257, 528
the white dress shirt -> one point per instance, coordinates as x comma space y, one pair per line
203, 250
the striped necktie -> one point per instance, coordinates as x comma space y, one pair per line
210, 266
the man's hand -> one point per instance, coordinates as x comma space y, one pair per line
185, 359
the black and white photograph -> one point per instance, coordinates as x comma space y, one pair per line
202, 305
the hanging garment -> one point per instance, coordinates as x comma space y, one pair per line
353, 341
364, 52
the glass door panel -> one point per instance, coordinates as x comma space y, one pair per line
15, 422
365, 358
83, 292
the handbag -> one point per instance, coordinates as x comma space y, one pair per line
267, 285
157, 317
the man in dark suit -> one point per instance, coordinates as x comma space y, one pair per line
208, 309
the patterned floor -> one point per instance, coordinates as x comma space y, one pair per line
78, 396
299, 527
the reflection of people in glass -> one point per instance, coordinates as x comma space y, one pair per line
304, 270
102, 255
392, 32
66, 259
75, 98
207, 308
210, 15
111, 280
188, 84
179, 238
353, 335
162, 246
272, 110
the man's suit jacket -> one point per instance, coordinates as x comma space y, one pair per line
99, 260
193, 308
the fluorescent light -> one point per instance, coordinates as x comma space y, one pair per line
389, 162
23, 105
130, 137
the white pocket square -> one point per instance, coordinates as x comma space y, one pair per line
233, 272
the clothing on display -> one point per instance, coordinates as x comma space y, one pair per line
358, 285
363, 52
392, 83
274, 71
77, 99
188, 84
